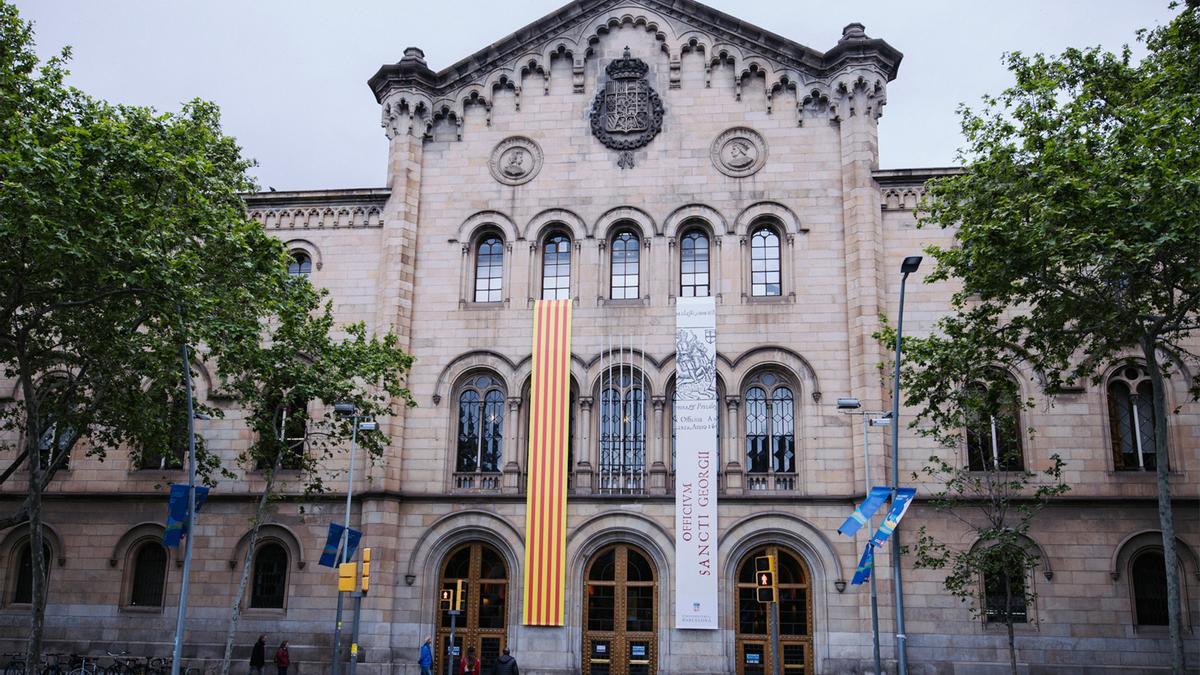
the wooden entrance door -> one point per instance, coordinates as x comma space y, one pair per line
754, 627
619, 613
483, 623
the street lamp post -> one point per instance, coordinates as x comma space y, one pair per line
907, 267
350, 411
180, 619
850, 406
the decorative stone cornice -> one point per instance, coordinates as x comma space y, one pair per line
315, 209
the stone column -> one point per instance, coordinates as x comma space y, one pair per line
734, 484
658, 468
583, 465
512, 449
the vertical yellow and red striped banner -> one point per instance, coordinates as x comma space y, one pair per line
546, 501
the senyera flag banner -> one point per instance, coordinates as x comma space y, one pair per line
546, 500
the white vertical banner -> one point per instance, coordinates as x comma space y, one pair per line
696, 463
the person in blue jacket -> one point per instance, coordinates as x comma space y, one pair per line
426, 659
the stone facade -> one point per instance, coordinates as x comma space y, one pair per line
803, 163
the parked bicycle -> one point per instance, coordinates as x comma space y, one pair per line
14, 663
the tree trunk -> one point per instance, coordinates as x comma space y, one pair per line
1008, 623
1165, 515
37, 554
235, 608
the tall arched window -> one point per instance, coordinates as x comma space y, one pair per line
770, 433
1148, 575
489, 265
148, 576
268, 587
1131, 419
556, 267
480, 433
622, 432
764, 262
22, 593
693, 265
300, 265
625, 266
993, 428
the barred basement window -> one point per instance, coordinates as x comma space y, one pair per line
1148, 573
149, 575
556, 267
269, 585
625, 268
693, 265
997, 605
489, 265
1131, 419
23, 590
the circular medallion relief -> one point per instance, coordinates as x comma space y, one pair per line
739, 152
515, 160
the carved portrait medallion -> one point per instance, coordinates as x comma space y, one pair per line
627, 113
515, 160
739, 152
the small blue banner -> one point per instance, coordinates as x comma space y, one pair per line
333, 543
866, 565
904, 497
875, 498
177, 512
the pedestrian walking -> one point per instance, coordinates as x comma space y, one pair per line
506, 665
258, 656
426, 658
282, 658
469, 664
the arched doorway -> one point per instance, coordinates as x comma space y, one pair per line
620, 601
754, 627
484, 622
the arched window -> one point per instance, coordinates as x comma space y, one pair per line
993, 428
148, 576
764, 262
23, 589
770, 432
489, 264
693, 265
1148, 575
556, 267
755, 632
1004, 597
1131, 419
622, 432
625, 249
291, 428
480, 433
268, 588
301, 264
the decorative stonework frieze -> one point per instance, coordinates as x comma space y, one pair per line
739, 152
317, 209
515, 160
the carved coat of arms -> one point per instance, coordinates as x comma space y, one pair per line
627, 113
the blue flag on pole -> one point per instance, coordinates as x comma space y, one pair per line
333, 542
866, 565
875, 498
904, 497
177, 512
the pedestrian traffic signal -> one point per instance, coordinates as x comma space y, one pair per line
447, 599
764, 579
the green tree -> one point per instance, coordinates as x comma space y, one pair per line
1078, 225
126, 240
288, 383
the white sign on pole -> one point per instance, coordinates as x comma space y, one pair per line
696, 463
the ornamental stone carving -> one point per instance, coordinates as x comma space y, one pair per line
515, 160
739, 152
627, 113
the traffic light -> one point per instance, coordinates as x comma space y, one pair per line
764, 579
460, 596
366, 570
346, 574
447, 599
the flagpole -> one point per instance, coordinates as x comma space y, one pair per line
190, 521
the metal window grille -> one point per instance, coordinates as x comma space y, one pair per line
269, 587
149, 575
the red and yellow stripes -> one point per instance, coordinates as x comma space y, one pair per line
546, 503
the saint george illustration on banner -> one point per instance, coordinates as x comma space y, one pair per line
696, 463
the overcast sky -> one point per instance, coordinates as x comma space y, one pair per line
290, 75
